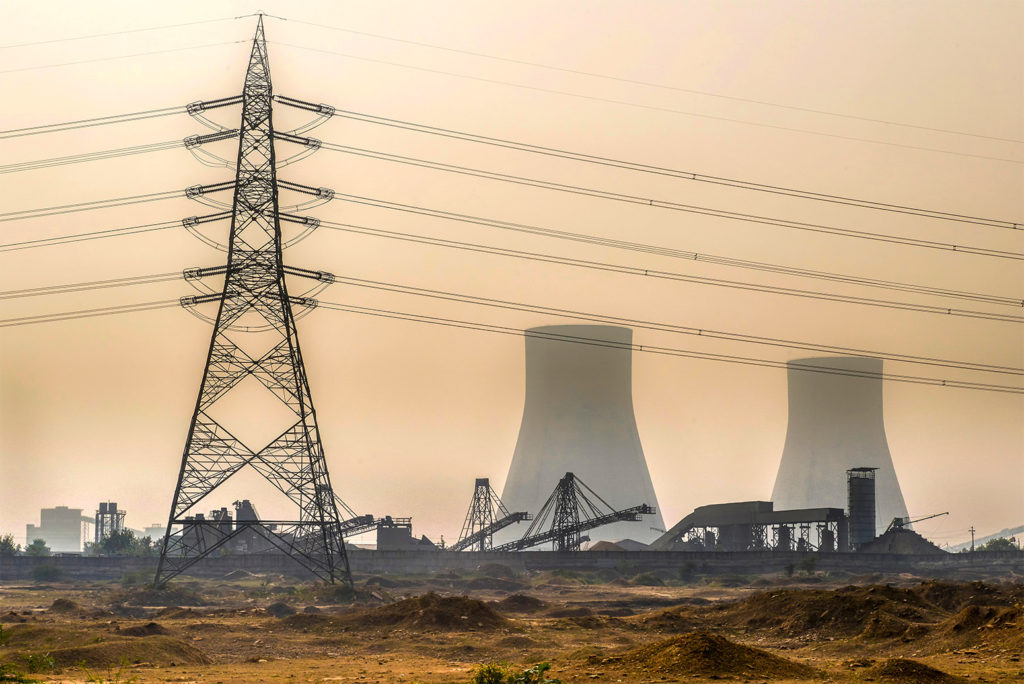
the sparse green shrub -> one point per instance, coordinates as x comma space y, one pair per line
501, 673
40, 662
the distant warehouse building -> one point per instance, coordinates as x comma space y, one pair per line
62, 529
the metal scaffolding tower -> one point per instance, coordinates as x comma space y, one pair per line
571, 512
255, 300
486, 516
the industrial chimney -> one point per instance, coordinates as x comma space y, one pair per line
835, 424
860, 505
578, 417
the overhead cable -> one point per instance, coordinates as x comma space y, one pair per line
683, 254
85, 237
122, 32
87, 123
627, 103
649, 84
191, 192
531, 308
87, 313
677, 277
664, 351
93, 285
671, 173
116, 57
666, 204
667, 327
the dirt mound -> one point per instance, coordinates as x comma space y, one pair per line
520, 603
845, 611
148, 629
902, 541
911, 672
707, 654
62, 605
989, 624
280, 609
11, 616
309, 621
647, 579
158, 650
882, 625
431, 611
954, 596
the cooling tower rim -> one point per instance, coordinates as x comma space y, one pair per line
605, 333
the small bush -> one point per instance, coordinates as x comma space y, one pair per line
40, 662
500, 673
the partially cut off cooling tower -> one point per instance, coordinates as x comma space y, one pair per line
835, 424
578, 417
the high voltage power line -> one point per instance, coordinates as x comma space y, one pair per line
667, 351
627, 103
663, 171
116, 57
547, 258
88, 123
678, 277
535, 308
123, 32
681, 254
520, 146
85, 237
649, 84
666, 204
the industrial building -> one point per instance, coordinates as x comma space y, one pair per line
578, 417
62, 528
757, 526
835, 424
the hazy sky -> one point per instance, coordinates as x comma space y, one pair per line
914, 103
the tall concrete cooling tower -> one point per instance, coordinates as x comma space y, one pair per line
578, 418
835, 424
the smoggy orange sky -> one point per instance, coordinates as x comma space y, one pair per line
914, 103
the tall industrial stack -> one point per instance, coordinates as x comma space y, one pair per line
860, 505
578, 417
836, 424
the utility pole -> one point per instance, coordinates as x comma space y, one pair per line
972, 538
254, 337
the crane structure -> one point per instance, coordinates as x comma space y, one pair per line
254, 339
573, 508
900, 523
486, 515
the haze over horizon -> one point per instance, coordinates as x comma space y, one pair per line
895, 104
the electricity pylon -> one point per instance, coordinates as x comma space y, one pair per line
255, 299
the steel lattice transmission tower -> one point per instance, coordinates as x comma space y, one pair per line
255, 298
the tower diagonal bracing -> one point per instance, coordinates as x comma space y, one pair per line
255, 305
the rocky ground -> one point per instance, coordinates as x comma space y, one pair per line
602, 627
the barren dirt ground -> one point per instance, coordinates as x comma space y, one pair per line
600, 627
